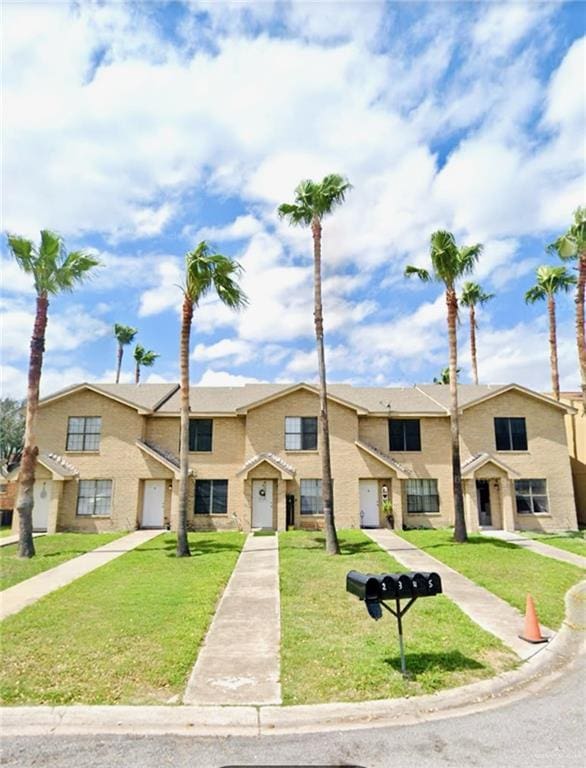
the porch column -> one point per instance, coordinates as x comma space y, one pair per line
508, 504
54, 504
281, 505
174, 513
471, 506
397, 501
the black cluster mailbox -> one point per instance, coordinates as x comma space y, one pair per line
376, 589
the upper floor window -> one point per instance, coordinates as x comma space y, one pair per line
422, 496
311, 502
404, 435
510, 434
200, 434
94, 497
211, 497
531, 497
301, 433
83, 433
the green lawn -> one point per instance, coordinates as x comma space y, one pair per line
5, 531
128, 633
573, 541
333, 651
505, 569
50, 551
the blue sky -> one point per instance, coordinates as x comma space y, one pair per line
137, 130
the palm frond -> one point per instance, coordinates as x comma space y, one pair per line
23, 251
124, 333
206, 270
536, 293
422, 274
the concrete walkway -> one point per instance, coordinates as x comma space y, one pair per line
537, 546
487, 610
239, 662
14, 599
6, 540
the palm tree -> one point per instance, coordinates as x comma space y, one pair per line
449, 262
53, 271
472, 294
444, 377
551, 280
143, 357
314, 201
204, 271
570, 247
125, 335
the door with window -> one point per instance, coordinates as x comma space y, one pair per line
369, 517
153, 504
42, 501
262, 504
483, 497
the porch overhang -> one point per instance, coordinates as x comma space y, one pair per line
164, 458
401, 472
286, 471
58, 466
474, 463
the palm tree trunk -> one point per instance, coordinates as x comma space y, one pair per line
137, 373
28, 462
119, 362
580, 331
186, 318
553, 347
460, 534
332, 545
473, 343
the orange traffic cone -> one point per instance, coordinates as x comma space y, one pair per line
531, 632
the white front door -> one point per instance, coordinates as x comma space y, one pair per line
262, 504
153, 504
42, 500
369, 517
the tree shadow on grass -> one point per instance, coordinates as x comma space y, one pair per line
472, 541
202, 547
346, 547
420, 663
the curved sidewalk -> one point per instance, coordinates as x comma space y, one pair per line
487, 610
537, 546
14, 599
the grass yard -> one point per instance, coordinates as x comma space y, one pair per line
572, 541
333, 651
5, 530
51, 551
128, 633
505, 569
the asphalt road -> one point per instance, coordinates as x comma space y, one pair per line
546, 730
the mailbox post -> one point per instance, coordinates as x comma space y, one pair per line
376, 589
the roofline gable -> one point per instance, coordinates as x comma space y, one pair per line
477, 462
524, 391
295, 388
99, 391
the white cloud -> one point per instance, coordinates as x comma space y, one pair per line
234, 349
241, 228
167, 294
212, 378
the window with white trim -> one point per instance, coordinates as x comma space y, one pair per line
301, 433
531, 497
94, 498
311, 502
422, 496
510, 434
200, 434
83, 433
211, 497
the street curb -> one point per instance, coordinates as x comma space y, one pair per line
538, 672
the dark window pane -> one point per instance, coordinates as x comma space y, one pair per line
412, 435
501, 434
202, 497
309, 433
404, 435
200, 434
518, 435
219, 497
540, 505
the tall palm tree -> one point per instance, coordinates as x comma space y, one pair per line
314, 201
124, 335
572, 247
449, 263
54, 271
144, 358
472, 295
205, 271
551, 280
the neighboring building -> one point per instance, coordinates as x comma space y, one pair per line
7, 498
576, 432
109, 457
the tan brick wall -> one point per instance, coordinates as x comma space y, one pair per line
576, 435
546, 457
